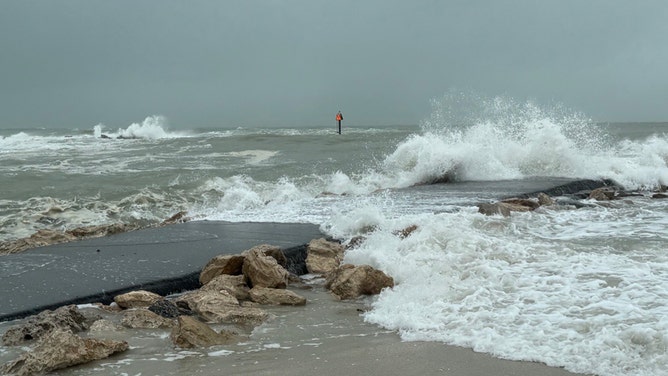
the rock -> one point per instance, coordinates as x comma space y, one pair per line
190, 332
167, 309
406, 232
219, 265
262, 270
244, 315
39, 239
521, 203
103, 325
602, 194
35, 327
234, 284
180, 217
60, 349
505, 207
144, 319
100, 230
349, 281
323, 256
545, 200
659, 195
494, 209
137, 299
198, 300
221, 307
355, 242
263, 295
271, 251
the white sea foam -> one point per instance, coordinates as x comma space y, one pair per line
522, 141
593, 301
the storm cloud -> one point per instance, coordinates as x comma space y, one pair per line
296, 63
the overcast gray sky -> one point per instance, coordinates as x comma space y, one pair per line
295, 63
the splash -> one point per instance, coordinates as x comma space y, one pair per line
471, 138
152, 128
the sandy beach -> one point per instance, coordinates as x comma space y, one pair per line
325, 337
329, 337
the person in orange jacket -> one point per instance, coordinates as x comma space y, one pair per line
339, 117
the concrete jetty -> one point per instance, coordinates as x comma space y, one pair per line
163, 260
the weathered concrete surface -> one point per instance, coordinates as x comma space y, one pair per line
163, 260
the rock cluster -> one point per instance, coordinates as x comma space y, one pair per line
46, 236
234, 287
583, 198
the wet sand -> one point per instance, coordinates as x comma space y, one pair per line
325, 337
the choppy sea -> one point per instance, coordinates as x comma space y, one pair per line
585, 289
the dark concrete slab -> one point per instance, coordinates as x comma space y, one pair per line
164, 260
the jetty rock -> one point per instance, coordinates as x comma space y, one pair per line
350, 281
323, 256
267, 296
262, 270
145, 319
61, 348
168, 309
219, 265
221, 307
137, 299
505, 207
37, 326
233, 284
190, 332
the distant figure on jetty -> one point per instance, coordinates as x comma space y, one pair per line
339, 117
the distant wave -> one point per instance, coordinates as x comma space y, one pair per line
152, 128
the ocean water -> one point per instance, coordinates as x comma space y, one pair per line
585, 289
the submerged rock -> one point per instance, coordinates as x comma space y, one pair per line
145, 319
60, 349
40, 325
264, 295
233, 284
190, 332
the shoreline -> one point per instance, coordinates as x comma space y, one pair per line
327, 337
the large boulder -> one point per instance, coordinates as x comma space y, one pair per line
190, 332
350, 281
267, 296
272, 251
66, 317
234, 284
61, 348
144, 319
545, 200
262, 270
219, 265
137, 299
504, 208
496, 208
522, 204
323, 256
603, 194
221, 307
